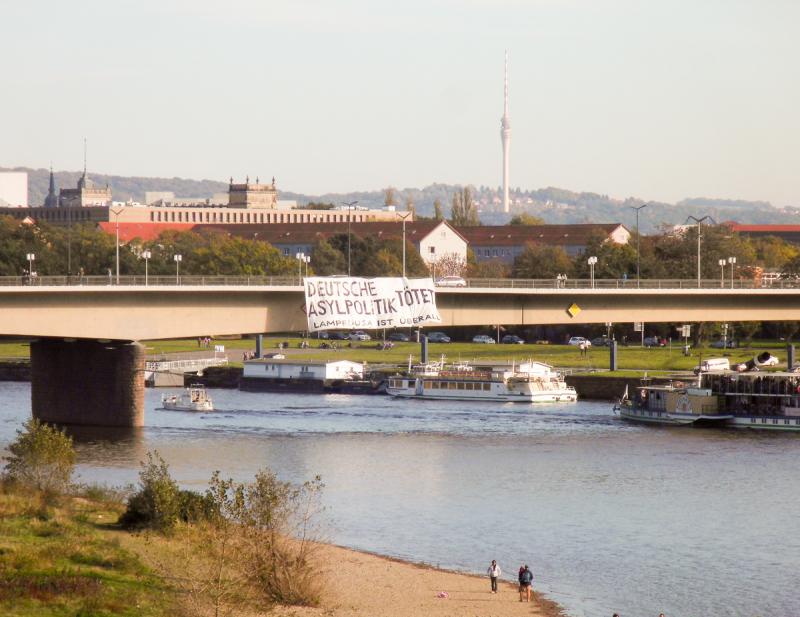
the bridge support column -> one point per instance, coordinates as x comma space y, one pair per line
87, 382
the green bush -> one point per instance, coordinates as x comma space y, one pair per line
156, 504
42, 458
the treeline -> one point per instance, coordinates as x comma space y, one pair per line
91, 251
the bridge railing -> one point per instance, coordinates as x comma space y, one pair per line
289, 281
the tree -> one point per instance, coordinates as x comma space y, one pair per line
526, 219
327, 260
437, 210
410, 207
390, 196
464, 212
538, 261
41, 458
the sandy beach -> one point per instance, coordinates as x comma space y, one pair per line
370, 585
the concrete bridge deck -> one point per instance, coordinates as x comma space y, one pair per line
238, 305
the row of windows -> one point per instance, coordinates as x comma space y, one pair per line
495, 252
457, 385
65, 215
178, 216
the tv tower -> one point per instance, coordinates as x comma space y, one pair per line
505, 136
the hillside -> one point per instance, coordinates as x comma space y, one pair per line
554, 205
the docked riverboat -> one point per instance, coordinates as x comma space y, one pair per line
757, 400
527, 382
194, 398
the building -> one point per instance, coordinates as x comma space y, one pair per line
51, 201
789, 233
246, 204
434, 240
507, 242
13, 189
249, 195
85, 195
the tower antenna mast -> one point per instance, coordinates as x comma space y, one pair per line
505, 136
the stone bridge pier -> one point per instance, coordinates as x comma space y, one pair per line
87, 382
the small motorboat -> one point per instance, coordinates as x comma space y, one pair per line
194, 398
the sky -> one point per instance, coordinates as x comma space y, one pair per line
656, 99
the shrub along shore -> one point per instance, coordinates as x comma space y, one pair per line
237, 549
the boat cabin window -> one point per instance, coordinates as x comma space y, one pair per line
451, 385
486, 387
460, 385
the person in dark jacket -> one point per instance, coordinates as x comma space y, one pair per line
525, 582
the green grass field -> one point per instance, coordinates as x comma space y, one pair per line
60, 560
632, 358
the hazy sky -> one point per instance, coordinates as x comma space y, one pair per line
658, 99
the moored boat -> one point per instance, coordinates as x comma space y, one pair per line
194, 398
757, 400
527, 382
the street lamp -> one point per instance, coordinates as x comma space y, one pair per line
147, 255
116, 214
307, 260
722, 263
591, 261
178, 259
301, 258
638, 235
349, 209
404, 216
30, 257
698, 224
732, 262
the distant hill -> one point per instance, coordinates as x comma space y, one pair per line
554, 205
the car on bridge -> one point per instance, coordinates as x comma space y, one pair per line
512, 339
601, 341
451, 281
655, 341
360, 335
398, 336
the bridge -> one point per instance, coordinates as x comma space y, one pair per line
88, 368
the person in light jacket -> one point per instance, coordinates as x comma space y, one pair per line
494, 573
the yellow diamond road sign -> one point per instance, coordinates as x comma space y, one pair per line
573, 310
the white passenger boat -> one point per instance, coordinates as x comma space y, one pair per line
194, 398
527, 382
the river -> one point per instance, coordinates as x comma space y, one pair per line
610, 516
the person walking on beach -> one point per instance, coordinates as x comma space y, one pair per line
494, 573
525, 582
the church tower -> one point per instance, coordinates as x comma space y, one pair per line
51, 201
505, 136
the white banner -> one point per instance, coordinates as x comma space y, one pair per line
344, 302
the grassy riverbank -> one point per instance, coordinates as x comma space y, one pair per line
631, 358
72, 558
66, 558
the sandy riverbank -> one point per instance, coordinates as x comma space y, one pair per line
362, 584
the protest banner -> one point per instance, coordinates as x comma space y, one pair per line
344, 302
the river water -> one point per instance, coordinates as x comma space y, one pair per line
610, 516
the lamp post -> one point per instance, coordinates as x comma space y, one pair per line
732, 262
698, 224
307, 261
349, 209
30, 257
638, 235
178, 259
404, 216
116, 214
147, 255
722, 263
301, 258
591, 261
